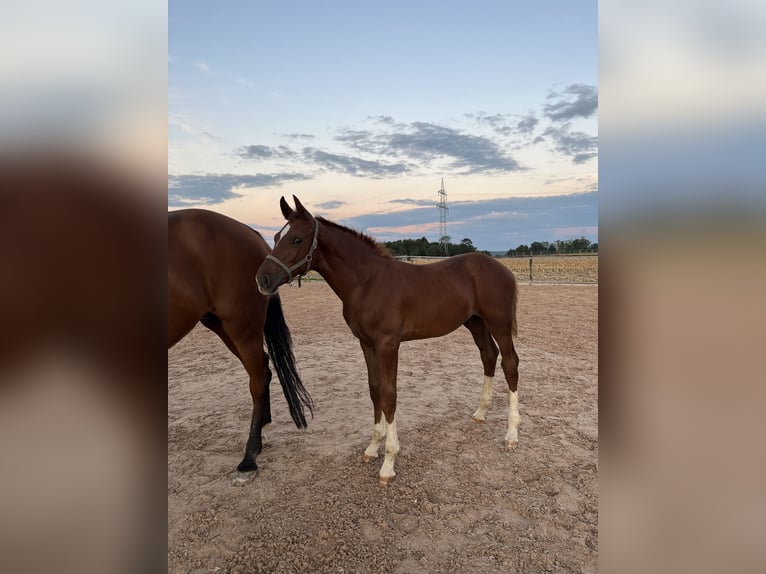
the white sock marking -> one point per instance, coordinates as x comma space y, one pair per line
378, 434
486, 399
513, 418
392, 448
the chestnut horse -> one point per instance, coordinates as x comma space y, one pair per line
210, 262
386, 302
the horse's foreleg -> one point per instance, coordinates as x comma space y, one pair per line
388, 359
387, 472
379, 423
379, 432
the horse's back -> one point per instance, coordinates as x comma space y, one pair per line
478, 268
490, 285
212, 261
209, 239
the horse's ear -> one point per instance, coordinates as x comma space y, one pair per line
299, 207
287, 211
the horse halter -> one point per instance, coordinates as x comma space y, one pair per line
306, 260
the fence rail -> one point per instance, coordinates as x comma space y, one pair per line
541, 269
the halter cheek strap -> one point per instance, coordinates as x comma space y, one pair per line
305, 261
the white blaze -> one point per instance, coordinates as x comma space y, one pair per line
281, 234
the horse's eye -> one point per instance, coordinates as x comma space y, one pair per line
297, 240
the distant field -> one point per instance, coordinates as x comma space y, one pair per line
545, 269
549, 268
555, 268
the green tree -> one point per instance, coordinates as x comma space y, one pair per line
580, 245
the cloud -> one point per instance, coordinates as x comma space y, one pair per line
352, 165
424, 145
383, 120
210, 189
497, 122
296, 136
332, 204
423, 202
259, 152
578, 145
419, 229
188, 127
498, 215
493, 224
578, 100
244, 82
427, 142
527, 124
203, 67
336, 162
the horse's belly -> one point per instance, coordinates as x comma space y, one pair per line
426, 323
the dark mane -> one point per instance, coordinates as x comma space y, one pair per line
378, 247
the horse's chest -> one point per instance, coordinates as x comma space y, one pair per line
362, 324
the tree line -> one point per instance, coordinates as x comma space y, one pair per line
422, 247
579, 245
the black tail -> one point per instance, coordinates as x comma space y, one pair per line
280, 346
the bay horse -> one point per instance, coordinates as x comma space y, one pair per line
386, 302
210, 262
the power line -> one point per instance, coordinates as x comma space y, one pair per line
443, 211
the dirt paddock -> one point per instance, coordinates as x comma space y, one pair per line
460, 502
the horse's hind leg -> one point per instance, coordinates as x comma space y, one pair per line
510, 364
245, 339
489, 352
213, 323
253, 359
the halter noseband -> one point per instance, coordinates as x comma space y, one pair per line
306, 260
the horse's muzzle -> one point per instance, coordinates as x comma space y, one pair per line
264, 284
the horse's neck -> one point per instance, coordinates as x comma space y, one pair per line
346, 261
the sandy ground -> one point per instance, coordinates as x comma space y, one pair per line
460, 502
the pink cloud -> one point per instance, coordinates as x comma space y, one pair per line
420, 228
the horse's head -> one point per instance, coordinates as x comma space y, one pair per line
294, 247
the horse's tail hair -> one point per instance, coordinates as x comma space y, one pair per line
280, 346
514, 326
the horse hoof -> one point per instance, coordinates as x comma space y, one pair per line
475, 419
368, 458
386, 480
244, 478
511, 444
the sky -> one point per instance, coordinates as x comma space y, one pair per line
361, 109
